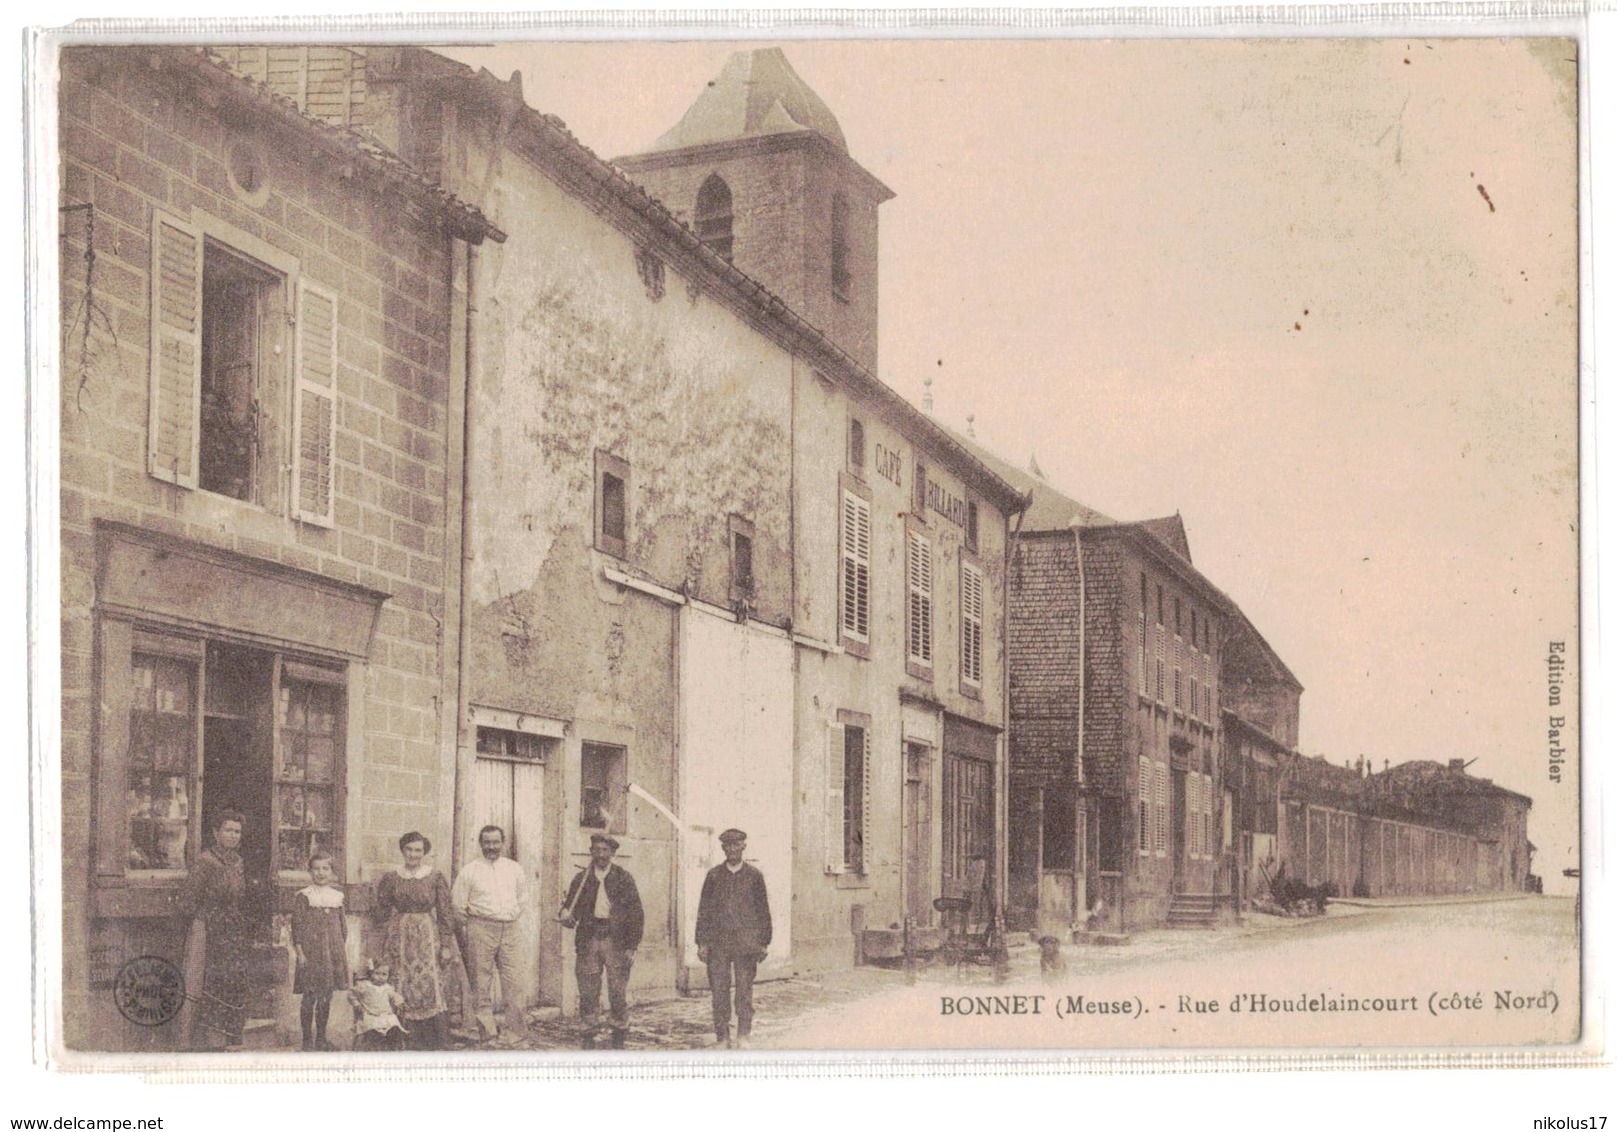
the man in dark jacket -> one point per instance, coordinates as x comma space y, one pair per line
604, 905
732, 935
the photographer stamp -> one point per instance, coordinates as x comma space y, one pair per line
149, 990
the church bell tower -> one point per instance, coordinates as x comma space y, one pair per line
759, 169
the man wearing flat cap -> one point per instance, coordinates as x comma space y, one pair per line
604, 905
732, 936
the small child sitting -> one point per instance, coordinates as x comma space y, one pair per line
1052, 964
376, 1003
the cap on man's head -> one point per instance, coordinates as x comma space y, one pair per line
603, 839
730, 835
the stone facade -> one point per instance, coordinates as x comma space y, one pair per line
309, 286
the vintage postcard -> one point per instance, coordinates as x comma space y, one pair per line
810, 545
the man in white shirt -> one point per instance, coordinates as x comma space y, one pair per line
487, 897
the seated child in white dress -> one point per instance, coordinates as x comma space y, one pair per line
376, 1003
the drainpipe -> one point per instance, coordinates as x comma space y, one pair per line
1003, 805
463, 744
465, 747
1083, 685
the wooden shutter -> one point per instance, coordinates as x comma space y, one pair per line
834, 801
1143, 835
314, 411
175, 405
1162, 808
1196, 814
971, 624
855, 566
864, 803
920, 587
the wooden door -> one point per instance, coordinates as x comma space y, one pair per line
918, 893
511, 794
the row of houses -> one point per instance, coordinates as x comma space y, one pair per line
420, 469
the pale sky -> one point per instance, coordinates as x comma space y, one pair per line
1319, 297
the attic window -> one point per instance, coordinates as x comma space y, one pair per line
713, 215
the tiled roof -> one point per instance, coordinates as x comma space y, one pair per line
214, 70
583, 171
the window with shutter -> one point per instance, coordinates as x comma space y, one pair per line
920, 599
847, 800
314, 419
855, 567
835, 836
971, 625
218, 391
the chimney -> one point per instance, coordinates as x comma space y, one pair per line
1457, 766
926, 398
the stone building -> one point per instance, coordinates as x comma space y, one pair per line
1260, 715
715, 572
704, 586
261, 361
1115, 643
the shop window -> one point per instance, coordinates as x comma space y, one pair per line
162, 762
215, 727
603, 797
611, 505
309, 722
